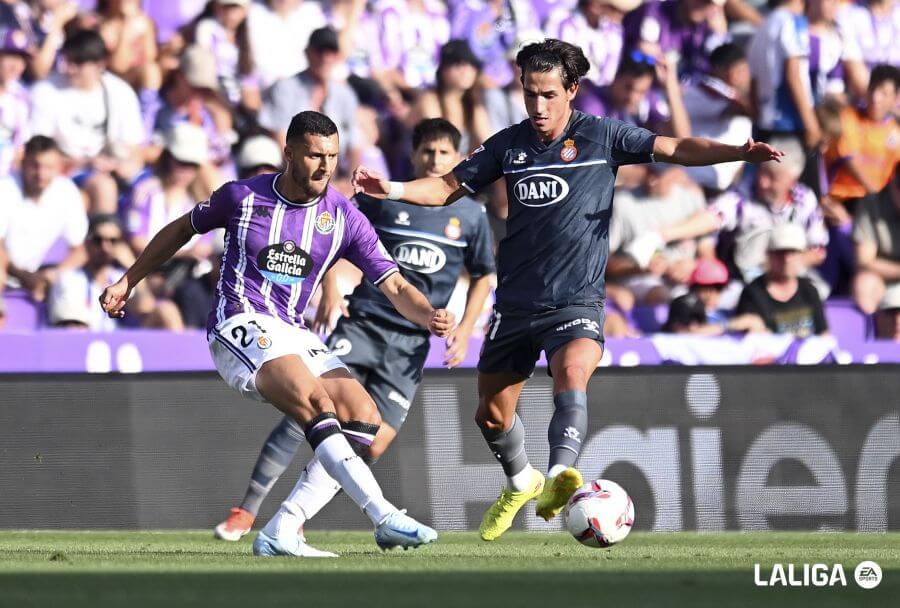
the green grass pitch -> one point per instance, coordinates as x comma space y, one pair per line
173, 568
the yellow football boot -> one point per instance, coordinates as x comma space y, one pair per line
500, 516
557, 492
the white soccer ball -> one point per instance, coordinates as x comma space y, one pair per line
599, 514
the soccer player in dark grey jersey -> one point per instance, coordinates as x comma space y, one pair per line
383, 349
560, 167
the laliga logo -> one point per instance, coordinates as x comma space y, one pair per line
419, 256
867, 575
541, 190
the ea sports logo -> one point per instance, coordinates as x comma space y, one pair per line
867, 574
540, 190
419, 256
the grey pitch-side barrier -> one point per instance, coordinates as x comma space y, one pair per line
697, 448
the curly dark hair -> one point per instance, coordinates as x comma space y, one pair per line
551, 53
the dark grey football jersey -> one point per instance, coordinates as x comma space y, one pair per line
560, 204
431, 245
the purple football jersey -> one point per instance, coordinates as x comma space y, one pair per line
276, 251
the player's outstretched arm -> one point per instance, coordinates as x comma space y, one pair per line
160, 248
410, 303
425, 192
696, 151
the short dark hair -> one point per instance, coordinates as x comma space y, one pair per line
39, 144
726, 55
551, 53
636, 65
82, 46
431, 129
98, 219
882, 73
310, 123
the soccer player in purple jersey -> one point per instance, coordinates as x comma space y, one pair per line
283, 232
560, 167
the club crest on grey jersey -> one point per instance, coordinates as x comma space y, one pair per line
419, 256
541, 190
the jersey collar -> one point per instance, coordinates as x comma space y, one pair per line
287, 201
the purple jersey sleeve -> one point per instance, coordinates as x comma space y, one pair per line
219, 209
364, 249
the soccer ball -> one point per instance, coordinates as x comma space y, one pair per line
599, 514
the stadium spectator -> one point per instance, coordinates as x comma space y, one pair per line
745, 223
457, 97
685, 30
596, 26
708, 280
862, 161
491, 28
720, 107
875, 24
163, 194
876, 232
786, 302
43, 22
887, 321
315, 89
15, 108
632, 98
130, 38
93, 115
40, 207
74, 299
779, 62
259, 154
859, 162
411, 35
370, 154
189, 95
665, 197
279, 33
836, 66
222, 30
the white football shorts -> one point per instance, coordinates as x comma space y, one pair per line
242, 344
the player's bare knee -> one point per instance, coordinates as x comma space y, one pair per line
486, 419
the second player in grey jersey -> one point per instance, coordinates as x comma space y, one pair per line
560, 168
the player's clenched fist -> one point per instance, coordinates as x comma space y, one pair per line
114, 298
442, 323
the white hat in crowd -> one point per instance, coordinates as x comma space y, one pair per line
188, 143
198, 65
891, 299
258, 151
787, 237
68, 308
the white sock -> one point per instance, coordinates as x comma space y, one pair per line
556, 470
314, 489
355, 477
521, 480
287, 521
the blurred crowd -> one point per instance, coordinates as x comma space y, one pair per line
118, 116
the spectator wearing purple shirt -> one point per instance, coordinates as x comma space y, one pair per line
688, 30
412, 32
596, 26
632, 98
491, 27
